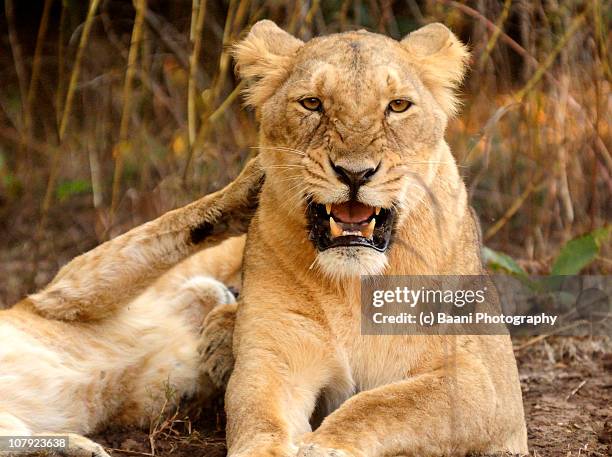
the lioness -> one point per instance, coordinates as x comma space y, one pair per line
107, 341
359, 180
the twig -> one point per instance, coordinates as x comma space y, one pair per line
243, 7
599, 143
148, 82
226, 103
542, 69
74, 79
16, 49
224, 59
196, 38
36, 64
164, 32
59, 93
125, 451
343, 13
516, 205
141, 6
76, 70
575, 391
416, 12
495, 35
539, 338
601, 38
493, 29
564, 191
17, 138
235, 15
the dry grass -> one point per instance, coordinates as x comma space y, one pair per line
121, 111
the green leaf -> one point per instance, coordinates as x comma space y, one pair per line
67, 189
579, 252
499, 261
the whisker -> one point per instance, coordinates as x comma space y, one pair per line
293, 193
319, 182
318, 175
281, 148
283, 167
298, 185
289, 178
425, 162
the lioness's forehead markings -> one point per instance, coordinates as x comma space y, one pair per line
355, 47
357, 72
394, 81
325, 80
305, 67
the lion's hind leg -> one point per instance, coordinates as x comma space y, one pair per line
11, 425
170, 368
197, 296
215, 348
76, 445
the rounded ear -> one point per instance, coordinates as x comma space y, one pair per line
264, 59
442, 60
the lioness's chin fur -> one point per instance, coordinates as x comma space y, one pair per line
345, 263
359, 180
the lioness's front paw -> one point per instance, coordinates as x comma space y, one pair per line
315, 450
265, 451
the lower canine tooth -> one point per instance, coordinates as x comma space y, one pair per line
333, 228
369, 230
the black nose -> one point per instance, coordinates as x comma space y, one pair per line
354, 179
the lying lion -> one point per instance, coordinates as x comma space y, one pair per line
359, 180
93, 349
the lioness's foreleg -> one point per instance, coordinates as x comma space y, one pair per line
99, 282
279, 371
449, 411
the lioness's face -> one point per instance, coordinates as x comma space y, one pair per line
351, 127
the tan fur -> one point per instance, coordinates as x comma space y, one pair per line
297, 339
99, 282
112, 339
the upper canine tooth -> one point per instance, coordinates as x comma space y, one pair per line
328, 208
369, 230
377, 210
333, 228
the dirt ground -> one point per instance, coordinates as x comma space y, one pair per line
567, 392
566, 381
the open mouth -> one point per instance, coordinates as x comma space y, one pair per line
350, 224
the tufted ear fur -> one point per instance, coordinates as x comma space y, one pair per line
264, 59
442, 60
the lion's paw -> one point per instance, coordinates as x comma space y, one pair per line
315, 450
215, 348
208, 291
80, 446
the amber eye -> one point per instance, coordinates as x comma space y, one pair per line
311, 103
399, 105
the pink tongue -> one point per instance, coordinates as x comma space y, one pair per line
351, 212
